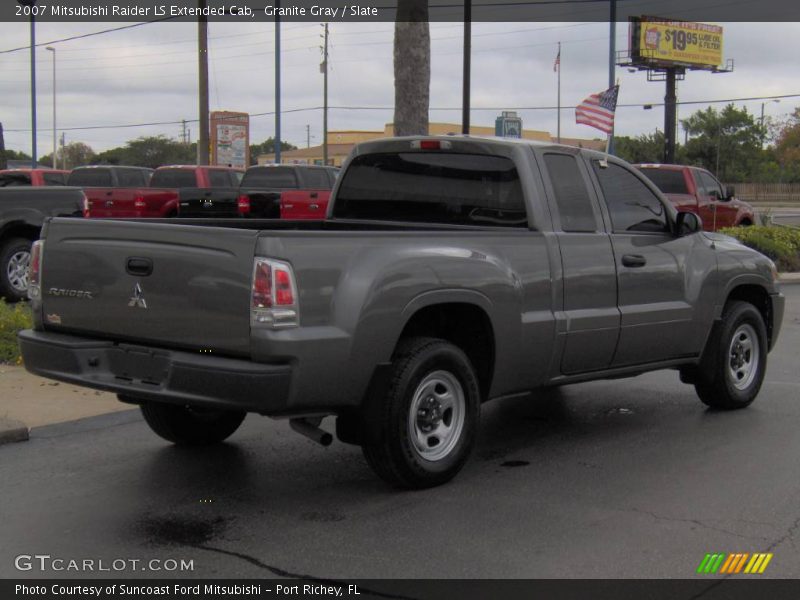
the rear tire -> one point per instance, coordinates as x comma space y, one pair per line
15, 260
429, 417
735, 359
187, 426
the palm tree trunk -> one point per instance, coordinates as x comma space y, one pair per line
412, 68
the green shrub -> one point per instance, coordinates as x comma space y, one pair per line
781, 244
13, 318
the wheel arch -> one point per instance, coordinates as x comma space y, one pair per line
758, 296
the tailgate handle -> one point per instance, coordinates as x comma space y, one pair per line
141, 267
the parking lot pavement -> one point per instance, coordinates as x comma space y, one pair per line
626, 478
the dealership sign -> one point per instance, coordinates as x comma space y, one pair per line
664, 43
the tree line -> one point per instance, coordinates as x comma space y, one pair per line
731, 143
147, 151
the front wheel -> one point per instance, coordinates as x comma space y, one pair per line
429, 417
190, 426
735, 360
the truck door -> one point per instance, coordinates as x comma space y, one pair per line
589, 317
657, 296
725, 213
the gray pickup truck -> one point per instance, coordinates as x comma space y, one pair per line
22, 213
450, 271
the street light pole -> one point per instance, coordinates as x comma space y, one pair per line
55, 136
32, 4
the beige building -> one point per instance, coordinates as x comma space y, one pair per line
340, 143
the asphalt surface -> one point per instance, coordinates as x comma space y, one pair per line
627, 478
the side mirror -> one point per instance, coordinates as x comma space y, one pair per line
730, 192
687, 223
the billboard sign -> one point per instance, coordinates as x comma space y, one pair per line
230, 139
664, 43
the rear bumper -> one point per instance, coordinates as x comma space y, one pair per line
158, 375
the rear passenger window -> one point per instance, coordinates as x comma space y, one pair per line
432, 187
130, 178
90, 178
317, 179
54, 178
218, 178
572, 197
631, 204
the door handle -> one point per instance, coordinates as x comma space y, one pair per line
634, 260
140, 267
313, 206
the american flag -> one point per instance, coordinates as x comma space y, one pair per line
598, 110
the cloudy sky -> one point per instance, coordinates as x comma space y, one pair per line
149, 74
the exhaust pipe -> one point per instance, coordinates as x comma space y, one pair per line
310, 429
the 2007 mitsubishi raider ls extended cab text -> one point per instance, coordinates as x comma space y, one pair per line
450, 271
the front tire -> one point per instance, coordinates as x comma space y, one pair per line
735, 359
15, 260
187, 426
429, 417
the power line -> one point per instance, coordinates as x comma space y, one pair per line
440, 108
86, 35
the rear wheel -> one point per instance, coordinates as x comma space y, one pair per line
735, 360
188, 426
15, 261
429, 418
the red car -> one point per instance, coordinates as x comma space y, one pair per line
696, 190
32, 177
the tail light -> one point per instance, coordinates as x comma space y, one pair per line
274, 301
86, 206
139, 205
431, 144
243, 204
35, 271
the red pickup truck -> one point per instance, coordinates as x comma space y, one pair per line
32, 177
270, 192
696, 190
115, 191
165, 187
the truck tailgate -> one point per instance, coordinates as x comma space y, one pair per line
152, 283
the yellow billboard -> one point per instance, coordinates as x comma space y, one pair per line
669, 43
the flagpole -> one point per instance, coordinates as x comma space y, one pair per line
558, 133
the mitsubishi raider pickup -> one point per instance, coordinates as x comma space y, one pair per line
449, 271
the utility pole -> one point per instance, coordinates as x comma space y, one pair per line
184, 139
308, 136
465, 81
202, 70
324, 69
670, 116
277, 84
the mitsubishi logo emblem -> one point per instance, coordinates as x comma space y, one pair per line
137, 300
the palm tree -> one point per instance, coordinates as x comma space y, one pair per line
412, 68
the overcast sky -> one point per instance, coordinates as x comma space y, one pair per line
149, 73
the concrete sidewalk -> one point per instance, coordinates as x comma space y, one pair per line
28, 401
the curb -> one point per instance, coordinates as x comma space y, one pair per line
12, 431
788, 278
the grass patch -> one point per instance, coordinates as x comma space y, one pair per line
781, 244
13, 318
